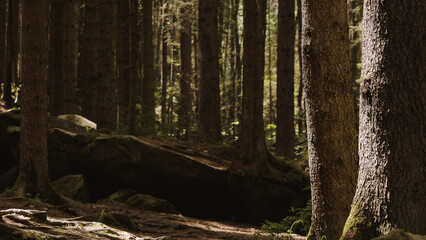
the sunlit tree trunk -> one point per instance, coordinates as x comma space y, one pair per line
391, 186
330, 115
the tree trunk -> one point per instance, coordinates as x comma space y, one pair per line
148, 86
70, 56
56, 83
285, 79
185, 100
252, 138
209, 91
238, 64
88, 67
300, 110
164, 73
391, 184
33, 170
3, 17
11, 43
330, 115
134, 39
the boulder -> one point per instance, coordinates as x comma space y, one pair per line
72, 186
398, 234
78, 120
195, 185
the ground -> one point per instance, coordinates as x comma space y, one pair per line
23, 218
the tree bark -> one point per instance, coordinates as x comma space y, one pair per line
164, 72
185, 99
3, 17
70, 56
56, 82
330, 115
252, 137
88, 67
391, 184
148, 86
134, 40
33, 170
285, 79
300, 110
209, 91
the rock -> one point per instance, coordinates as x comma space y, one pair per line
72, 186
78, 120
133, 199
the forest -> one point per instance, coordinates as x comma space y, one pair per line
213, 119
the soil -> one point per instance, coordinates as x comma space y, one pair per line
20, 219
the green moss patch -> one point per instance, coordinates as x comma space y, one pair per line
398, 234
358, 225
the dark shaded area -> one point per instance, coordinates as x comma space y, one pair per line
195, 186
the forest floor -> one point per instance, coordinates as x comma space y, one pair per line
30, 218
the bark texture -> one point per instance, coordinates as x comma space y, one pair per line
106, 116
285, 79
133, 74
3, 5
33, 170
330, 115
148, 85
87, 69
209, 91
252, 137
70, 48
392, 142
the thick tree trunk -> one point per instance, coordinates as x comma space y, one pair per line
285, 79
70, 55
33, 170
148, 86
209, 91
56, 81
123, 62
330, 115
106, 116
88, 67
391, 184
252, 137
185, 99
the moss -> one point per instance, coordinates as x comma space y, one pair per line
358, 225
398, 234
121, 196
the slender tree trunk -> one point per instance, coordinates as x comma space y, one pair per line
185, 101
269, 69
232, 96
330, 115
148, 86
238, 64
285, 79
392, 181
56, 88
209, 90
106, 116
3, 19
134, 39
70, 55
10, 48
88, 67
33, 169
252, 138
123, 62
300, 109
164, 71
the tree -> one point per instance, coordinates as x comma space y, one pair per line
148, 85
252, 137
330, 115
3, 11
33, 166
133, 74
56, 49
185, 100
70, 48
106, 116
285, 79
164, 68
88, 67
209, 91
391, 184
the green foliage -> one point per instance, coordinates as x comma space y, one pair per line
298, 223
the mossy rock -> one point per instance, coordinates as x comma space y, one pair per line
121, 196
78, 120
149, 203
72, 186
398, 234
